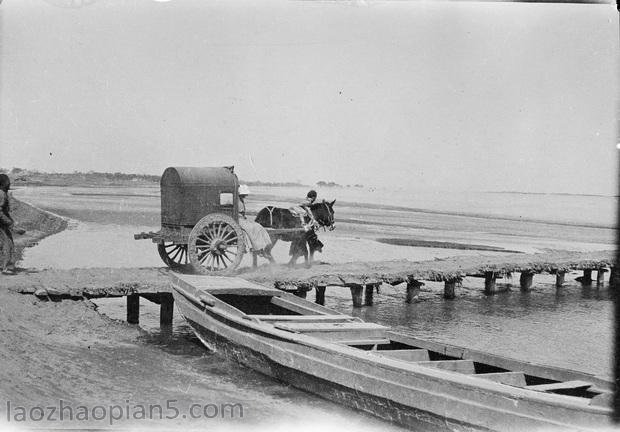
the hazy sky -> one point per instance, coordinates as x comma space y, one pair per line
447, 95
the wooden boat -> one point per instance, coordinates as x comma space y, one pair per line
416, 383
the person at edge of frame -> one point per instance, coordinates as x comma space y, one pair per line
7, 225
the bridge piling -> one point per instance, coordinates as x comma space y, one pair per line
319, 295
133, 309
449, 289
526, 279
490, 286
600, 276
586, 279
356, 294
369, 294
166, 309
413, 290
614, 277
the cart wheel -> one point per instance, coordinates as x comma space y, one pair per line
175, 256
6, 249
216, 244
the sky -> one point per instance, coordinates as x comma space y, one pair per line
426, 95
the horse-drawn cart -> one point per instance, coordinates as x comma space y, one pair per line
200, 229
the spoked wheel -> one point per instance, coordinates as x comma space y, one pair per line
216, 244
175, 256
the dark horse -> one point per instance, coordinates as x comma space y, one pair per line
275, 217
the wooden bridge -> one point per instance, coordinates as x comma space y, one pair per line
362, 278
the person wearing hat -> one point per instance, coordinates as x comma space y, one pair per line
7, 224
244, 191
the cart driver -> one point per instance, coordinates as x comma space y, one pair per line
244, 191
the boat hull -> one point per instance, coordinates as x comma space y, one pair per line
416, 397
377, 406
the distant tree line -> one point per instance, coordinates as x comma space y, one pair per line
23, 175
334, 184
34, 176
273, 184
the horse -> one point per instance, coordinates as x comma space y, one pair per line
275, 217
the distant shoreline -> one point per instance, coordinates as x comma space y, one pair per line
103, 179
552, 193
270, 197
27, 177
366, 205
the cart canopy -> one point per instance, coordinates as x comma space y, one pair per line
190, 193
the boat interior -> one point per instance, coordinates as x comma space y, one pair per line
290, 313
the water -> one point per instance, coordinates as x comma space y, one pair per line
570, 327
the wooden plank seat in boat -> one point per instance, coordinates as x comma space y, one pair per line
374, 343
307, 318
564, 385
335, 331
412, 355
516, 379
461, 366
225, 285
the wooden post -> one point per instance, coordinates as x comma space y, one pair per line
356, 295
600, 276
320, 295
526, 280
614, 277
449, 289
586, 279
254, 260
301, 293
368, 294
133, 309
489, 283
559, 279
166, 309
413, 290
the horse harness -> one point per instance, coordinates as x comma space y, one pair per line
270, 209
330, 212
